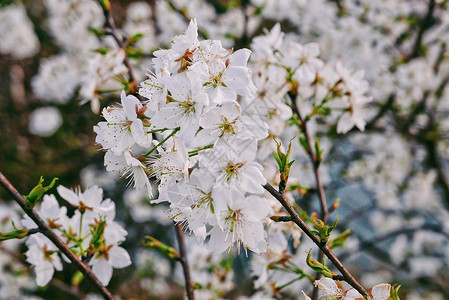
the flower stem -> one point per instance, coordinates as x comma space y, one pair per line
161, 142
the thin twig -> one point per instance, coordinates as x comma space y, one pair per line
323, 247
319, 184
71, 290
183, 260
45, 230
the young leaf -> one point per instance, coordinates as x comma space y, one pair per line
37, 192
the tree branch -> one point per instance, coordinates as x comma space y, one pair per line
319, 185
183, 260
323, 247
46, 230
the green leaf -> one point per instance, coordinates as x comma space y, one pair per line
340, 240
102, 50
37, 192
323, 230
317, 266
318, 151
304, 143
135, 38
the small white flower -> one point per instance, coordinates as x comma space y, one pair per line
130, 167
172, 166
305, 296
309, 63
42, 253
50, 212
123, 127
240, 223
222, 121
100, 69
184, 109
380, 292
107, 258
331, 288
233, 164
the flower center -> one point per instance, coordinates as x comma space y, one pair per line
232, 169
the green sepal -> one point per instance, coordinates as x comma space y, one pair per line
197, 286
259, 9
284, 163
15, 234
394, 293
133, 52
317, 266
323, 110
97, 234
322, 230
37, 192
152, 243
303, 142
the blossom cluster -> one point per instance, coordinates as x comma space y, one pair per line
318, 88
392, 175
91, 233
205, 165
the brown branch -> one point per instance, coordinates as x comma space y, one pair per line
183, 260
316, 170
323, 247
46, 230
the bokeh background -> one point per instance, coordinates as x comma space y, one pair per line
392, 179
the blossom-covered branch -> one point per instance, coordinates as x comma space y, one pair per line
49, 233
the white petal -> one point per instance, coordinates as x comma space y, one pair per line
305, 296
239, 57
68, 195
56, 262
353, 294
103, 270
44, 273
119, 258
328, 285
130, 104
381, 291
28, 223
